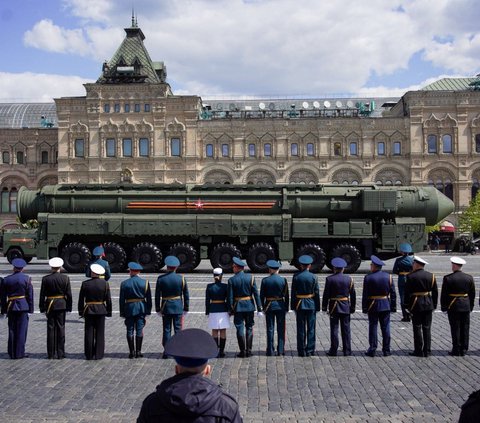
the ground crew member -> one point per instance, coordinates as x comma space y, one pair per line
16, 298
98, 254
55, 301
171, 299
402, 267
274, 298
135, 304
421, 297
216, 309
339, 301
94, 304
305, 301
458, 299
242, 292
378, 300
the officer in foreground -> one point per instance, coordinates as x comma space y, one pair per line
274, 298
339, 301
135, 304
98, 254
457, 299
402, 267
55, 301
378, 300
305, 301
421, 297
171, 299
190, 396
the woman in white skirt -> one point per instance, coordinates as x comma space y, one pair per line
216, 310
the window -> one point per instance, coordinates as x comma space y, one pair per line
5, 201
56, 157
44, 157
353, 148
137, 108
13, 200
225, 150
8, 200
144, 147
110, 147
79, 147
6, 157
294, 149
106, 108
475, 187
251, 150
381, 148
447, 144
126, 108
310, 149
146, 107
432, 144
397, 148
209, 150
20, 157
267, 150
337, 149
477, 143
116, 108
175, 146
127, 147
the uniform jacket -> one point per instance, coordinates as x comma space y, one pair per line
53, 285
274, 286
101, 262
243, 285
378, 284
457, 283
421, 281
169, 285
135, 288
403, 264
189, 398
17, 284
216, 291
305, 283
339, 285
95, 290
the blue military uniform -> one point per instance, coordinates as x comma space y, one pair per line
378, 300
216, 308
402, 267
16, 297
305, 301
98, 253
274, 298
339, 300
216, 298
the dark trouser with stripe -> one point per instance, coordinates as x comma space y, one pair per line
244, 320
17, 333
56, 334
422, 325
270, 317
384, 318
401, 294
135, 325
168, 321
305, 331
94, 337
342, 320
460, 328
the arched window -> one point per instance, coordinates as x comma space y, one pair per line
447, 144
127, 147
353, 149
475, 187
44, 157
337, 149
267, 150
144, 147
432, 144
397, 148
294, 149
110, 147
310, 149
477, 143
175, 147
8, 200
20, 157
444, 185
225, 150
251, 150
6, 157
79, 147
381, 148
209, 150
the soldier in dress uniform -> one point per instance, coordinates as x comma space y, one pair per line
457, 299
305, 301
216, 309
171, 299
274, 298
16, 298
402, 267
94, 304
378, 300
135, 304
242, 292
421, 297
339, 301
55, 301
98, 254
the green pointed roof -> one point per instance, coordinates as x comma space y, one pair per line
452, 84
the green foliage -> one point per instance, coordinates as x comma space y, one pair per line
470, 218
433, 228
29, 224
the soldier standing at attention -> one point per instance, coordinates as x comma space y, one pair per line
217, 310
98, 253
421, 297
457, 299
274, 298
94, 304
339, 300
16, 298
242, 291
305, 301
378, 300
402, 267
171, 299
135, 303
55, 301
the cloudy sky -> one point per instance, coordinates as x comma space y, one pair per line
235, 48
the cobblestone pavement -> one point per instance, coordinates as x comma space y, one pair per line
290, 389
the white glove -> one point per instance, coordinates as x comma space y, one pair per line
291, 311
259, 313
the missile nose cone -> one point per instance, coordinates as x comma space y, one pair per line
445, 206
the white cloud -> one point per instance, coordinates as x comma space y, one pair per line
91, 10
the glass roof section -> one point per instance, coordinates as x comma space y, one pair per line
28, 115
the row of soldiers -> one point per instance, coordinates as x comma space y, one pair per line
240, 298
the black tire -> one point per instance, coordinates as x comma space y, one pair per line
350, 254
116, 256
315, 252
187, 254
14, 253
75, 256
222, 256
258, 255
148, 255
28, 259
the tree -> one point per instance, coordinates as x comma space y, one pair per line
470, 219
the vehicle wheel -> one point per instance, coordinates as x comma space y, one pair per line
14, 253
187, 254
116, 256
222, 256
75, 256
148, 255
258, 255
314, 251
350, 254
28, 259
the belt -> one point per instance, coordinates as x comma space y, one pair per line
404, 273
217, 301
165, 299
270, 299
419, 294
243, 298
89, 303
135, 300
376, 297
455, 298
336, 300
301, 296
10, 299
53, 297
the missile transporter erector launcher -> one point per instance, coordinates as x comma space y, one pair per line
145, 223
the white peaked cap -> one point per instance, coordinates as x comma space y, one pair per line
458, 260
418, 259
217, 271
97, 269
55, 262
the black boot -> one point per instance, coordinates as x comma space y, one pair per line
131, 347
241, 345
138, 352
249, 345
221, 353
